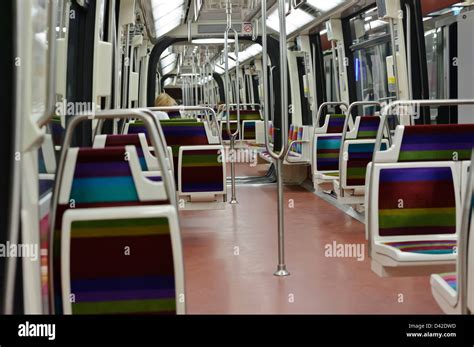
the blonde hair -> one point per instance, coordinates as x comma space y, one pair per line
165, 100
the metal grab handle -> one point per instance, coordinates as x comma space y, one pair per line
50, 107
325, 105
290, 5
109, 114
287, 158
344, 133
237, 67
284, 82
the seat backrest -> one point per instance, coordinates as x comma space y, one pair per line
137, 140
410, 203
57, 131
101, 210
436, 142
367, 127
335, 123
245, 115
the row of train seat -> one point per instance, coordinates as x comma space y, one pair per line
197, 156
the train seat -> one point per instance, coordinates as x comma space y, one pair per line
117, 242
414, 199
148, 161
248, 123
326, 148
357, 152
444, 286
299, 151
201, 170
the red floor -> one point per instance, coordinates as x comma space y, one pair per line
219, 281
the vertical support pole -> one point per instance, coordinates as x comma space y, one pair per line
394, 55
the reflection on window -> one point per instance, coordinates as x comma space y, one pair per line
39, 15
367, 26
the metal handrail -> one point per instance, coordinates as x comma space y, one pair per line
463, 248
232, 135
281, 267
108, 114
344, 133
323, 106
50, 107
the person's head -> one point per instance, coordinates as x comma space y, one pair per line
165, 100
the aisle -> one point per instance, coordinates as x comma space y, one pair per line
230, 256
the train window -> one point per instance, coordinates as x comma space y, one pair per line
39, 15
371, 45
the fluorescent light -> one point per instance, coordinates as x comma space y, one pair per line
167, 15
324, 5
323, 32
426, 18
211, 41
294, 21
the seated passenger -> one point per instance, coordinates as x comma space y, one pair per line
165, 100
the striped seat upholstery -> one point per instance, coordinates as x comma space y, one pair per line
225, 134
183, 134
296, 133
327, 155
359, 155
245, 115
416, 201
249, 130
201, 171
451, 279
108, 280
336, 123
437, 143
104, 279
57, 131
368, 127
425, 246
125, 140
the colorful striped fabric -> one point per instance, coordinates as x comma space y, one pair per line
336, 123
122, 266
202, 171
225, 134
425, 247
368, 127
249, 129
296, 133
416, 201
101, 179
128, 140
245, 115
103, 175
359, 155
184, 134
451, 279
437, 143
327, 153
57, 131
41, 162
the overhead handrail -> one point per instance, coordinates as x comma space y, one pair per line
281, 267
323, 106
50, 107
384, 115
106, 115
232, 135
344, 133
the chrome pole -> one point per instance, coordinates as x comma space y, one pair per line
281, 267
234, 135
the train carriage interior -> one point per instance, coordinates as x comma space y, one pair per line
237, 157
